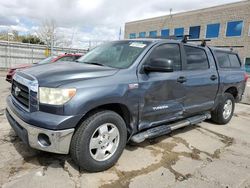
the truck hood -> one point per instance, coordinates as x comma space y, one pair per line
56, 74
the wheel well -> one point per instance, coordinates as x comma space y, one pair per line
120, 109
233, 91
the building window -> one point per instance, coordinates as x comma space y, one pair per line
142, 34
132, 35
247, 65
152, 33
213, 30
234, 28
194, 32
179, 32
165, 33
249, 31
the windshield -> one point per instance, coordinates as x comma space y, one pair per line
46, 60
119, 54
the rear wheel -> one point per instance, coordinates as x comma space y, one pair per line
98, 143
224, 111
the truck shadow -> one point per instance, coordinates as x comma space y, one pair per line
45, 159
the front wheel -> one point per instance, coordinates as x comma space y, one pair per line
99, 141
224, 111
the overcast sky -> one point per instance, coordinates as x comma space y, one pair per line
89, 19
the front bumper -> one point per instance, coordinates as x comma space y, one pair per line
59, 140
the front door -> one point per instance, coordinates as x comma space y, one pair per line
161, 96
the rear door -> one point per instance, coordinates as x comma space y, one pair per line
161, 96
200, 79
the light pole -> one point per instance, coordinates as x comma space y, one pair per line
52, 41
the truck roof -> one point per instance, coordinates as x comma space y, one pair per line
193, 43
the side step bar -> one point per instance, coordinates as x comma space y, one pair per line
166, 129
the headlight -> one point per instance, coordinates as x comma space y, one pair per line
55, 96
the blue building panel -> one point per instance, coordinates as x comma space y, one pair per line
213, 30
152, 33
179, 32
234, 28
194, 32
132, 35
165, 32
142, 34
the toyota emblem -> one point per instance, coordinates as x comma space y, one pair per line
17, 91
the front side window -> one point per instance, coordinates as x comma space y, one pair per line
213, 30
234, 28
196, 58
168, 52
194, 32
119, 54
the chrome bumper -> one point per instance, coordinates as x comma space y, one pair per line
59, 140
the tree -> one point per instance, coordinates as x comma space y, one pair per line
47, 32
16, 36
32, 39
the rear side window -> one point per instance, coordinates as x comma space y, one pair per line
196, 58
227, 60
223, 60
234, 60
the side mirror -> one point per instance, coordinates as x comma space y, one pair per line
159, 65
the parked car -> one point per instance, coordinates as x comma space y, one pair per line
122, 91
50, 59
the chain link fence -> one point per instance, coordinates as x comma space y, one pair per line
14, 53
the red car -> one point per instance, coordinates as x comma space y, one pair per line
51, 59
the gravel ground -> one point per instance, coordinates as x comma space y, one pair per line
205, 155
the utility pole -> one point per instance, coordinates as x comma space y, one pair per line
120, 33
52, 44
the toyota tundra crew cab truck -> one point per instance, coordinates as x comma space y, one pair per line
122, 91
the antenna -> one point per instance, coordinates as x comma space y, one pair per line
170, 12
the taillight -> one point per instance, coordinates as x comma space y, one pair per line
246, 76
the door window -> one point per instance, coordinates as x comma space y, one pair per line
196, 58
170, 52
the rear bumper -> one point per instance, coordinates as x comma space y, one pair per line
59, 140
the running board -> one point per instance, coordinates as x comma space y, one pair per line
166, 129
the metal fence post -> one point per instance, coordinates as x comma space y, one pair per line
32, 54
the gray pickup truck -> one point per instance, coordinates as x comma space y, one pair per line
122, 91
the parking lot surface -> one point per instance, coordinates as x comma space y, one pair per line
205, 155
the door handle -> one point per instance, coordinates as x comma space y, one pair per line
181, 79
213, 77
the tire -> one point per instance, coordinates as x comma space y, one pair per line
219, 115
99, 141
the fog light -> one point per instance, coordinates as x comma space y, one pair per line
43, 140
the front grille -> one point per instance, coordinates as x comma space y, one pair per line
21, 93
